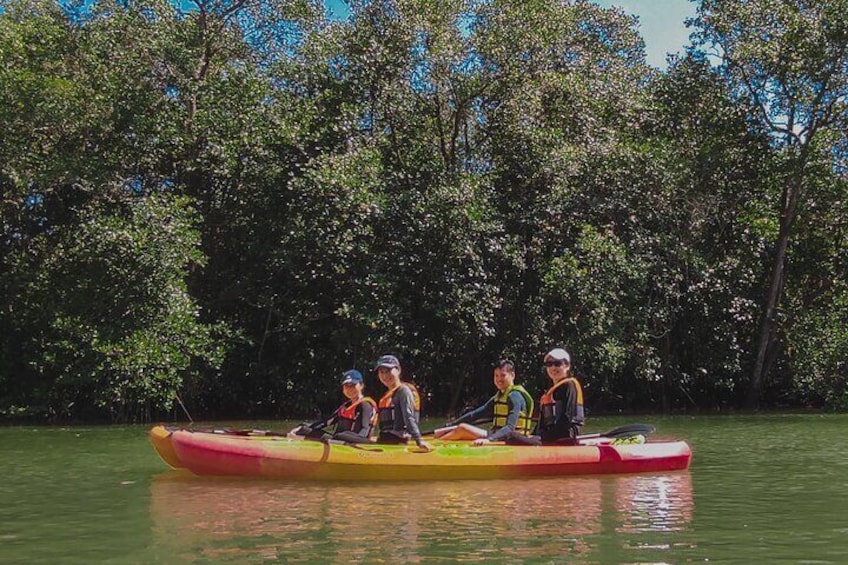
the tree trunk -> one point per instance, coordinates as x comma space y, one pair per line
455, 395
789, 204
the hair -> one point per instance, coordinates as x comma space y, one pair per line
505, 365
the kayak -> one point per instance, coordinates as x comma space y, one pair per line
221, 453
160, 437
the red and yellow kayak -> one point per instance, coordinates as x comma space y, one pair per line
224, 454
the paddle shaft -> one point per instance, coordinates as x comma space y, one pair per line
623, 431
626, 430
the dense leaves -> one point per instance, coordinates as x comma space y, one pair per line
788, 61
229, 203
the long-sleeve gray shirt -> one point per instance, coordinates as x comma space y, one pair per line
405, 417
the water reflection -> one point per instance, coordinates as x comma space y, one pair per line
203, 520
660, 503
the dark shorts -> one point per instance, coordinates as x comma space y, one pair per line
520, 439
392, 438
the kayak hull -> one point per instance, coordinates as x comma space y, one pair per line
160, 437
283, 458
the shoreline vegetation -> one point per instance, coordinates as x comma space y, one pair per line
227, 204
429, 421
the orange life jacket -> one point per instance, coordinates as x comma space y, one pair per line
386, 407
347, 420
548, 407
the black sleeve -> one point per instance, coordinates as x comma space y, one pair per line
329, 421
567, 395
321, 424
571, 403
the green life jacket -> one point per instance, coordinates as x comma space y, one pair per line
524, 425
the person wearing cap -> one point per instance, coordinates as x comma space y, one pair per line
510, 410
561, 414
399, 408
353, 420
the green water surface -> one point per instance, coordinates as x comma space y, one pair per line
764, 488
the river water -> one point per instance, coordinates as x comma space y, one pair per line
762, 488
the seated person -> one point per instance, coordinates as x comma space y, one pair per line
510, 410
399, 408
561, 413
353, 420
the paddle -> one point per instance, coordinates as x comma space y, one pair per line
228, 431
353, 445
261, 433
627, 430
474, 423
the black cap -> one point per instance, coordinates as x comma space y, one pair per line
389, 361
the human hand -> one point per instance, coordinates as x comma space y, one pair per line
424, 447
480, 441
298, 431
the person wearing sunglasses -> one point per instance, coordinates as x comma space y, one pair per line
561, 415
510, 410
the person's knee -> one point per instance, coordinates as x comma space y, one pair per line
479, 432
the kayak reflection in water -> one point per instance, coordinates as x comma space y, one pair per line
510, 410
353, 420
281, 521
399, 408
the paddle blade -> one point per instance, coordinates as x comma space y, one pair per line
630, 430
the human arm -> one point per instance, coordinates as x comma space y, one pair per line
314, 429
325, 423
484, 411
366, 414
571, 414
403, 401
573, 408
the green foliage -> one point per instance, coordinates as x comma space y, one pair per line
239, 201
817, 354
116, 328
786, 63
592, 293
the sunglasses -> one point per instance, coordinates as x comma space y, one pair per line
555, 363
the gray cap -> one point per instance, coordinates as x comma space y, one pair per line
389, 361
